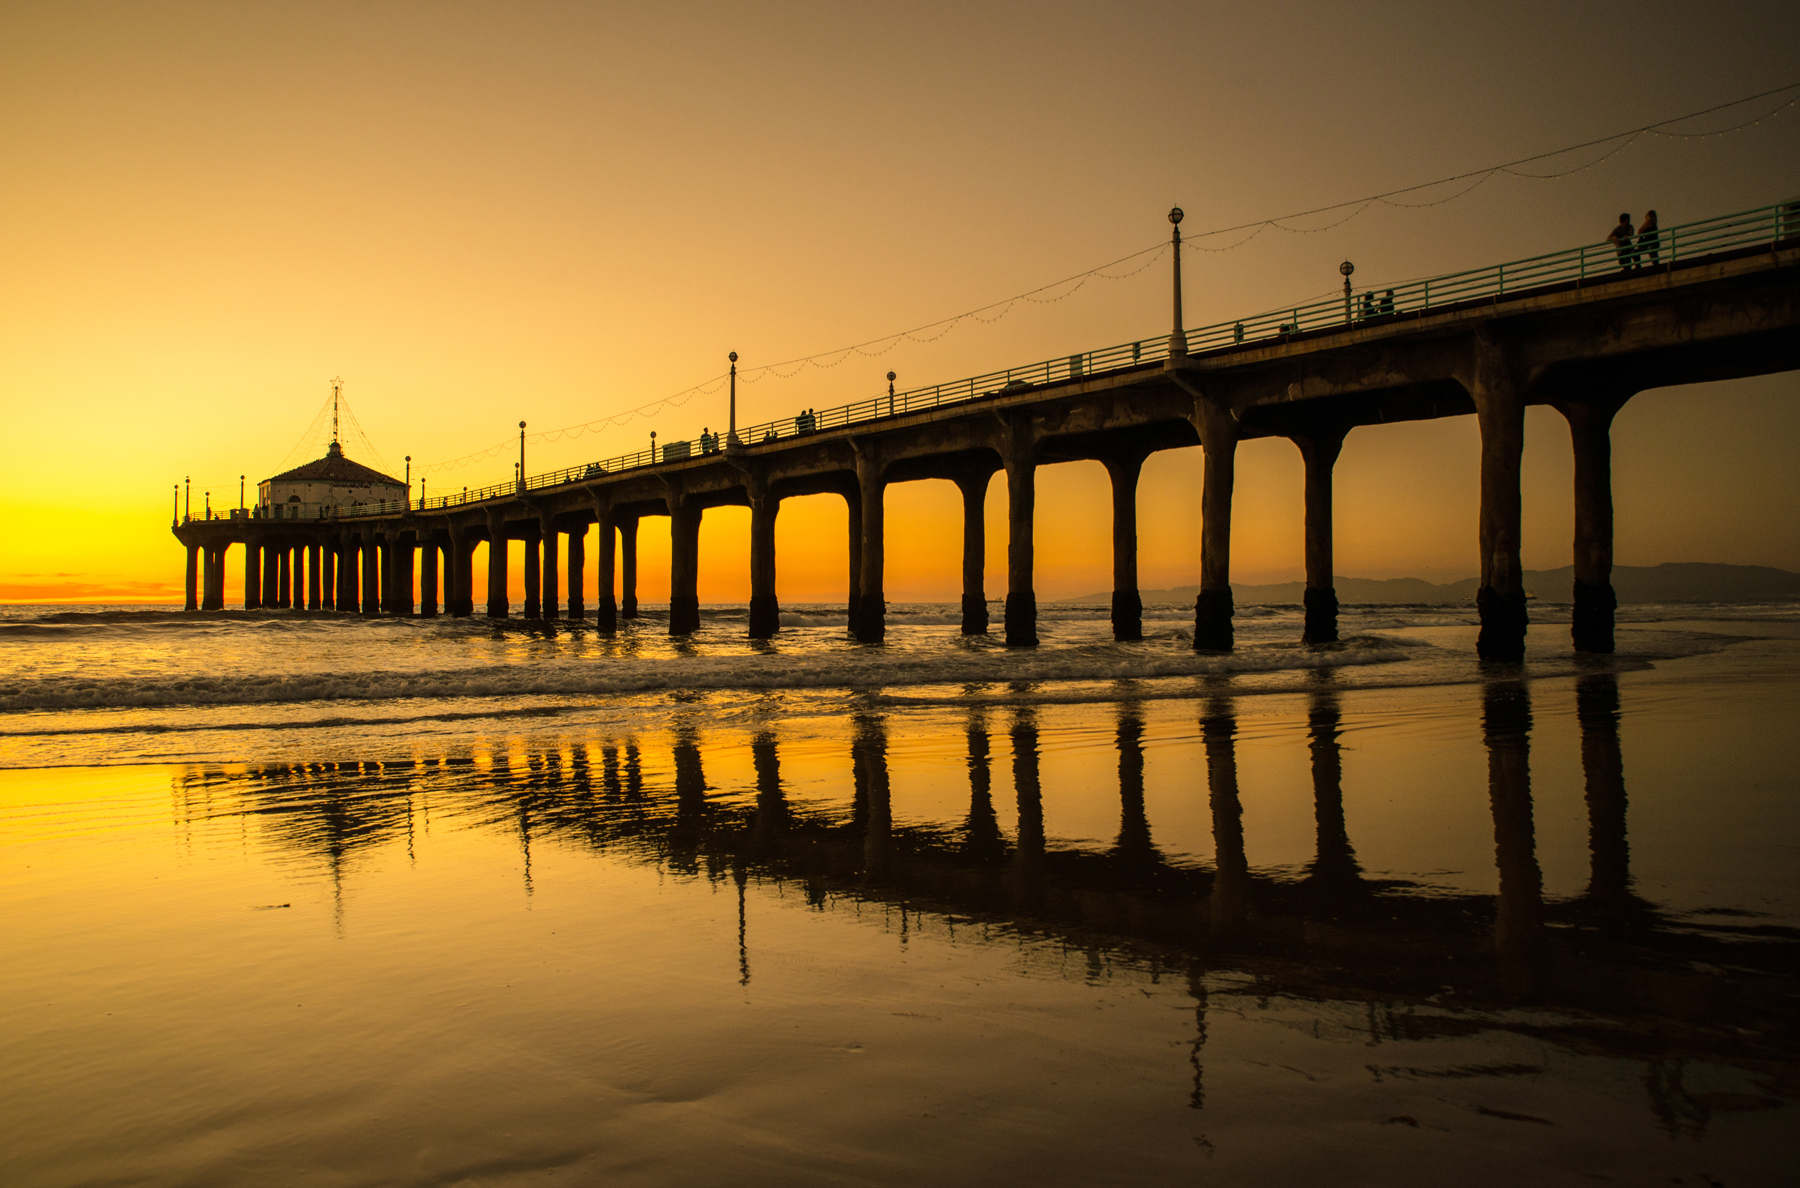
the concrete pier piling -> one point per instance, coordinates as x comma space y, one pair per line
1498, 389
974, 552
577, 573
1319, 451
252, 576
1021, 509
402, 602
497, 607
532, 576
1127, 605
871, 615
684, 566
428, 579
191, 572
1213, 608
371, 574
349, 574
853, 599
765, 608
606, 610
1590, 434
628, 602
550, 602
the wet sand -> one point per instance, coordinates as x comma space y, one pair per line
1516, 931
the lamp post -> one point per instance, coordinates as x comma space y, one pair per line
653, 447
175, 512
208, 504
1346, 268
188, 508
521, 456
240, 492
731, 437
1177, 337
890, 393
409, 479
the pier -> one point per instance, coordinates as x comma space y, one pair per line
1570, 329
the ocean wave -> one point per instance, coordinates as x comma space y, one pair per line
870, 669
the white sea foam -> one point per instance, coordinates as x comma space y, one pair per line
871, 668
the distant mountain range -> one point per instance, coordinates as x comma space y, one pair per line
1682, 581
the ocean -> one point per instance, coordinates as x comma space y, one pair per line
302, 898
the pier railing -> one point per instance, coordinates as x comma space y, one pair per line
1592, 262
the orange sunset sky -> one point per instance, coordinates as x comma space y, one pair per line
477, 214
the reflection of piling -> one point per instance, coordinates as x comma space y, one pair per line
868, 761
690, 799
1197, 988
1231, 869
1603, 767
1028, 856
1133, 844
1519, 917
609, 773
771, 804
741, 877
1334, 862
982, 840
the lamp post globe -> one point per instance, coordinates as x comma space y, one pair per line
1346, 268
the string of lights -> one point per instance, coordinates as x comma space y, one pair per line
351, 437
987, 314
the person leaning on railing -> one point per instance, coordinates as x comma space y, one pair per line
1622, 238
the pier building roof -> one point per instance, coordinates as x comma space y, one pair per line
334, 467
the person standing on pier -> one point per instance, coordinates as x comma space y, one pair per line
1649, 242
1622, 238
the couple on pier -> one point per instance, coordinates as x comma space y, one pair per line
1637, 249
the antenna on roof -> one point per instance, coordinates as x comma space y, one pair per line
337, 388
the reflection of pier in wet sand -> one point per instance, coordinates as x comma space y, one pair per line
1327, 931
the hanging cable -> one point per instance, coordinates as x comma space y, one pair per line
826, 360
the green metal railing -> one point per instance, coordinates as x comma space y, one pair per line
1596, 262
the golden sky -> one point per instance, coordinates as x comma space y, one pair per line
477, 214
